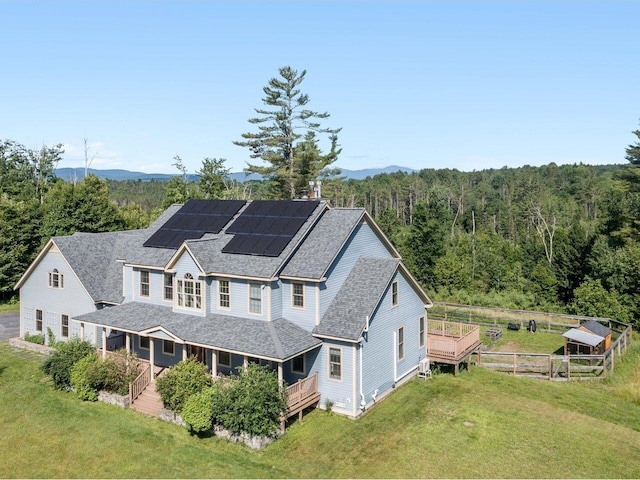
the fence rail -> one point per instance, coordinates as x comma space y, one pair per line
557, 367
301, 390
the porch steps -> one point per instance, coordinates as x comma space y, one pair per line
148, 402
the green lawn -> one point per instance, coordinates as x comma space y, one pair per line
480, 424
9, 307
525, 342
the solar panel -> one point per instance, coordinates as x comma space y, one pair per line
266, 227
194, 219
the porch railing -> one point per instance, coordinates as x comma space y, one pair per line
140, 383
301, 390
450, 340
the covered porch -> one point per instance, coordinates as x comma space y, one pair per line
452, 342
161, 338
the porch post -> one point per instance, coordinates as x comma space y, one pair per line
151, 359
184, 351
104, 342
82, 331
214, 363
96, 339
245, 362
127, 340
280, 375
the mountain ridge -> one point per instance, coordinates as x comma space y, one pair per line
70, 174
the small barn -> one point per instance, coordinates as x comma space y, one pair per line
580, 342
592, 326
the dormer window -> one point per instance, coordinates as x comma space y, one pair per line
56, 279
189, 292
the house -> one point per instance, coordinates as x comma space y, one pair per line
317, 293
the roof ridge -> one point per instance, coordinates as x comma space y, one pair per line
276, 339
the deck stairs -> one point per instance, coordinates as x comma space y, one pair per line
148, 402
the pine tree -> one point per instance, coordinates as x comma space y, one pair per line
281, 126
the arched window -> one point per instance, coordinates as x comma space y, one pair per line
189, 292
56, 279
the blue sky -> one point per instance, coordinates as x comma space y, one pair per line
422, 84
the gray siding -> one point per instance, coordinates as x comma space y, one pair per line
379, 351
71, 300
363, 242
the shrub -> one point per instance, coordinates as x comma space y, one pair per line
253, 402
182, 381
37, 338
85, 389
197, 411
114, 373
51, 338
58, 365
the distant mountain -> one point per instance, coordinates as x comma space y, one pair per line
69, 174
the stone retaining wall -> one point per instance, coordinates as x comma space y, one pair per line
121, 401
34, 347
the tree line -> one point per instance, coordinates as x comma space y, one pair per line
557, 238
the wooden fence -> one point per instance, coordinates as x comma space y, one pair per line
557, 367
551, 322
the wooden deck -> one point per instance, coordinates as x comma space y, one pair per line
451, 342
301, 395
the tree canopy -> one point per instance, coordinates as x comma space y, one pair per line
286, 139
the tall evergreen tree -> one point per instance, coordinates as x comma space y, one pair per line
279, 130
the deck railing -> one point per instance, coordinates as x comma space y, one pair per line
140, 383
450, 340
301, 390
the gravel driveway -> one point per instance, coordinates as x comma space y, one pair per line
9, 325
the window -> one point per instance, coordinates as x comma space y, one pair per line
224, 294
394, 293
335, 363
144, 283
255, 298
38, 320
189, 292
56, 279
143, 342
297, 291
168, 347
224, 359
401, 343
421, 328
297, 364
168, 286
65, 326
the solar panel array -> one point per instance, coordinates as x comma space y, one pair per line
266, 227
194, 219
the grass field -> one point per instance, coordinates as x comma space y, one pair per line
9, 307
480, 424
525, 342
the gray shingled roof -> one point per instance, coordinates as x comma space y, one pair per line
358, 298
315, 255
208, 253
596, 328
277, 340
93, 257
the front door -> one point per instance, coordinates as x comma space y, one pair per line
199, 353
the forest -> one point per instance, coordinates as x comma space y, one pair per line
553, 238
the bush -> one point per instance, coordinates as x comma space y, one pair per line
197, 411
182, 381
51, 338
85, 389
58, 365
37, 338
252, 402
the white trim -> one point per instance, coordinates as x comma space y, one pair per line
293, 295
304, 365
219, 363
329, 348
395, 292
202, 295
249, 284
303, 279
337, 339
317, 304
141, 283
62, 315
142, 267
51, 274
404, 341
164, 286
241, 277
164, 352
35, 316
422, 331
149, 333
179, 252
219, 293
